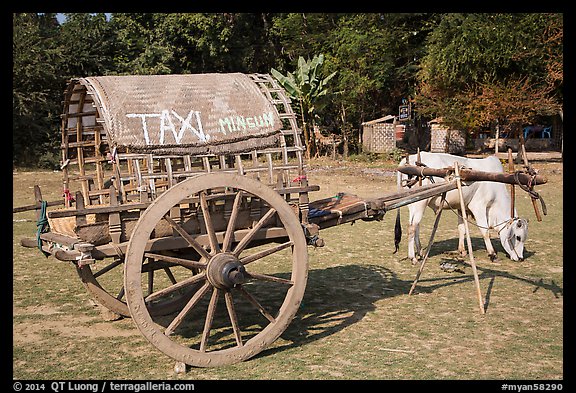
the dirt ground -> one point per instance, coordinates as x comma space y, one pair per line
357, 321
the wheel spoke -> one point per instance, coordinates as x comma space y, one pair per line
107, 268
266, 277
246, 240
261, 254
150, 281
170, 275
187, 237
173, 288
255, 303
233, 318
191, 303
120, 294
227, 244
209, 319
179, 261
209, 227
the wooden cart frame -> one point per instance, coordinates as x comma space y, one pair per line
201, 241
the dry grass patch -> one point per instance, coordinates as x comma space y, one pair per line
356, 320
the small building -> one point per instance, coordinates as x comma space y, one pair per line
444, 139
380, 135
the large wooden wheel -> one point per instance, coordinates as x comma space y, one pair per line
253, 263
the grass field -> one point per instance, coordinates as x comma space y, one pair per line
356, 320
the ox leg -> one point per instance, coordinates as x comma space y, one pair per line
481, 217
413, 242
491, 251
414, 246
461, 234
417, 243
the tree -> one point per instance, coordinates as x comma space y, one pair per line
141, 45
36, 86
375, 54
88, 45
307, 86
181, 43
486, 68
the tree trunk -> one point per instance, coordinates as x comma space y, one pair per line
306, 132
344, 131
313, 148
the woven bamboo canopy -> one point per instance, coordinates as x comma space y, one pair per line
146, 133
175, 114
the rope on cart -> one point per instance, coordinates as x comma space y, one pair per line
42, 225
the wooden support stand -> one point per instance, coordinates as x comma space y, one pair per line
512, 189
468, 240
430, 242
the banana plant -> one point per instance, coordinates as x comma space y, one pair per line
307, 86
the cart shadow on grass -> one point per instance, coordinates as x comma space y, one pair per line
340, 296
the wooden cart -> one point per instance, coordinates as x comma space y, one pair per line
192, 213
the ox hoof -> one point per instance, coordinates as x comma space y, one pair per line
494, 258
415, 261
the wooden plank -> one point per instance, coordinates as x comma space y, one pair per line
99, 209
80, 217
511, 169
411, 196
114, 220
430, 242
37, 205
406, 192
38, 198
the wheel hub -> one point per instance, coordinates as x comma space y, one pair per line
225, 271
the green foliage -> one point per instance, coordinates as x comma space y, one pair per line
462, 67
308, 87
35, 85
93, 49
307, 84
470, 57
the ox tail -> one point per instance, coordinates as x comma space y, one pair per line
398, 226
397, 232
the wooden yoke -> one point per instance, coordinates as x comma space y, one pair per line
528, 167
473, 175
512, 190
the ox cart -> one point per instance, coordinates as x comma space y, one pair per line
191, 213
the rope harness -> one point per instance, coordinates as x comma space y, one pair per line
530, 187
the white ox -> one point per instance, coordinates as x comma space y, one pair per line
488, 202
